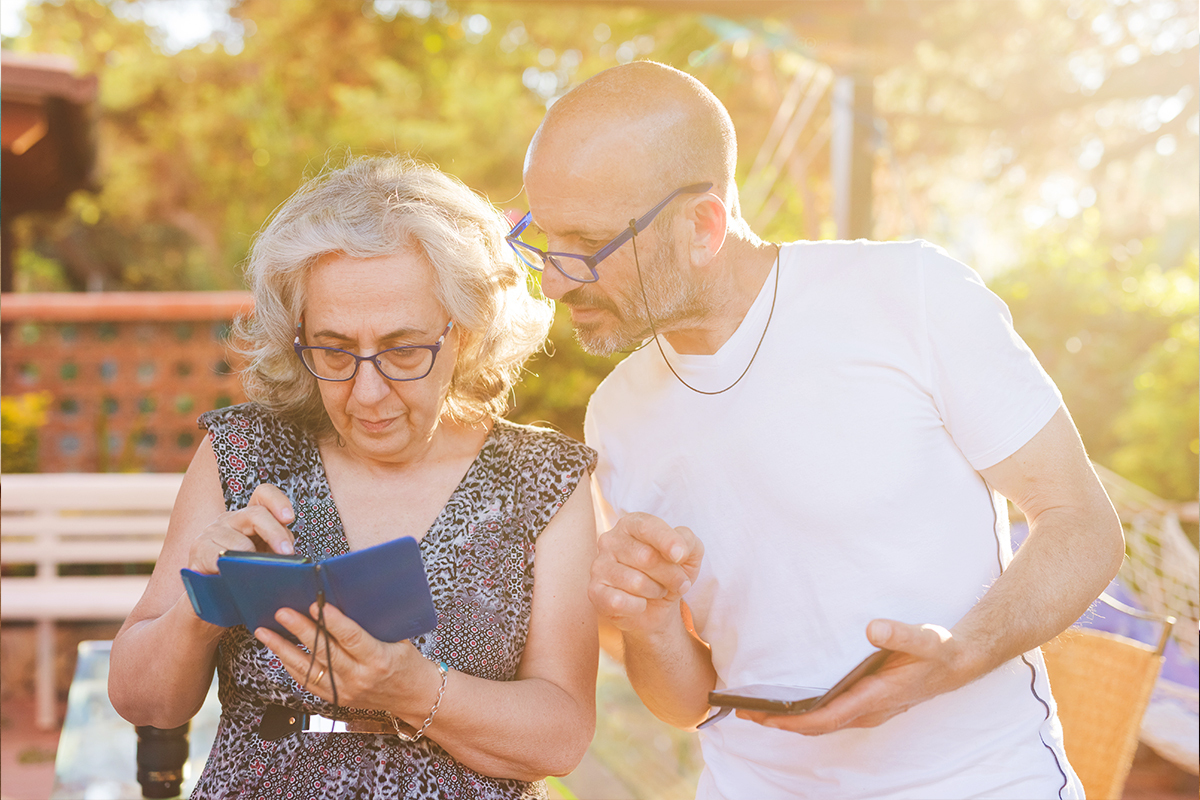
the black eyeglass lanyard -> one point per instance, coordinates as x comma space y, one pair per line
322, 633
654, 331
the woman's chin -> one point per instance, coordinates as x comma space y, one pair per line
391, 442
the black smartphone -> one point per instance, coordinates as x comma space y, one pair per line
793, 699
255, 555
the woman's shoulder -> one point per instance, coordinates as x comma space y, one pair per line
540, 467
254, 445
533, 444
249, 421
231, 414
245, 416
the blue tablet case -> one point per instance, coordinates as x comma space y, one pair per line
382, 588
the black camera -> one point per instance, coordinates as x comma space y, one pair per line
161, 754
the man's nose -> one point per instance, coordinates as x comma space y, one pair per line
554, 283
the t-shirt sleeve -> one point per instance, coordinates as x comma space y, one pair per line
992, 393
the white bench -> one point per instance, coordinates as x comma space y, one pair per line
55, 520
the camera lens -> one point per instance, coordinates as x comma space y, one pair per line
161, 754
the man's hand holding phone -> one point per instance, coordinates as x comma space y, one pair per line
773, 700
642, 570
923, 662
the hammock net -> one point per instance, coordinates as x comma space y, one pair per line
1162, 566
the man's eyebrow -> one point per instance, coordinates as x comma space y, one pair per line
579, 232
594, 234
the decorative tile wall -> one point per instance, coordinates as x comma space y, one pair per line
128, 373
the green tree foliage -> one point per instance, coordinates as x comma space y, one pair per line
560, 380
992, 118
1158, 428
1118, 332
1038, 109
199, 146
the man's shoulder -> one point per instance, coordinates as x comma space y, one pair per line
846, 253
869, 271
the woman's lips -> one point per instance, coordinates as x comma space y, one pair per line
375, 426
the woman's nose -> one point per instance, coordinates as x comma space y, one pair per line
369, 383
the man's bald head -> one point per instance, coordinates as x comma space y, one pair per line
661, 127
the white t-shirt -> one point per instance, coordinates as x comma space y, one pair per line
836, 484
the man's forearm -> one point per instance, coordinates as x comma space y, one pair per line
1074, 548
1068, 559
672, 673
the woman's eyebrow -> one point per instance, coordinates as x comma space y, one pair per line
399, 333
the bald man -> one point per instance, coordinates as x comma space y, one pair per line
806, 464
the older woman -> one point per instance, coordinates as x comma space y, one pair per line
390, 324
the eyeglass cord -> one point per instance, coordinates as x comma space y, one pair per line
654, 331
323, 632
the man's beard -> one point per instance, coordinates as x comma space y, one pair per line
672, 299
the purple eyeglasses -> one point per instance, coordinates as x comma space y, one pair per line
583, 268
408, 363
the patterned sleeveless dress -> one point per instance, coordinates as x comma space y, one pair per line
478, 555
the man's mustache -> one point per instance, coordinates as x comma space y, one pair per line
582, 297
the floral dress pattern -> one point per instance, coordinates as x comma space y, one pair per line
478, 556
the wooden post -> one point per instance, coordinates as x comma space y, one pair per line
44, 689
852, 154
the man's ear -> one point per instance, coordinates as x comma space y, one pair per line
708, 223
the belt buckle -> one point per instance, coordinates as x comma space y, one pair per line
280, 721
315, 723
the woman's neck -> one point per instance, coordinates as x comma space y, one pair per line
379, 500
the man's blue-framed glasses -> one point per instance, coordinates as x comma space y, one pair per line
408, 363
525, 239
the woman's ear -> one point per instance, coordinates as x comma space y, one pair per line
708, 223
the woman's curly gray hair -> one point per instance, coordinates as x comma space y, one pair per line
376, 207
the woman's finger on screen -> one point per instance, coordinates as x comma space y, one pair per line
258, 521
274, 500
215, 540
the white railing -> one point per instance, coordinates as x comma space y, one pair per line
54, 520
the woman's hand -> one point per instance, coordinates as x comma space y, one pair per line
257, 527
370, 674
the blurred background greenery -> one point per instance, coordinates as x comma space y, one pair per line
1052, 144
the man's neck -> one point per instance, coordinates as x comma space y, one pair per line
734, 285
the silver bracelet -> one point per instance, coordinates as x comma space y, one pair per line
442, 668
